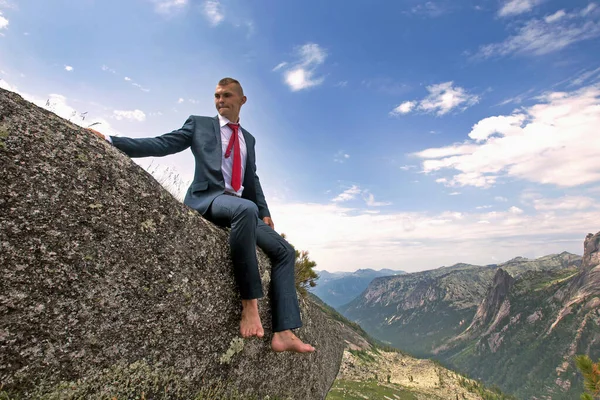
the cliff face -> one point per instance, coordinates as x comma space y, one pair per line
495, 301
110, 287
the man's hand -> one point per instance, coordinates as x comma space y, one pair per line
100, 135
269, 221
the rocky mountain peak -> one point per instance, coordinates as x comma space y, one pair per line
495, 305
591, 253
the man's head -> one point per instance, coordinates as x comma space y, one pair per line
229, 98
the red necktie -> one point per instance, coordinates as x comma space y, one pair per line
236, 173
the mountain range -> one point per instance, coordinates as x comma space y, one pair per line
516, 325
338, 288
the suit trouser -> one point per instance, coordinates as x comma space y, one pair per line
247, 231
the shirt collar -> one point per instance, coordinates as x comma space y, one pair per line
223, 121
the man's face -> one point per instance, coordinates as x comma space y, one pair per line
229, 101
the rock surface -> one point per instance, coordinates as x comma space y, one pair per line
111, 287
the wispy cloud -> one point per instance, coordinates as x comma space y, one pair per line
3, 22
564, 203
511, 145
143, 89
516, 7
169, 6
347, 194
68, 68
135, 115
354, 191
442, 98
589, 76
213, 11
300, 74
547, 35
370, 201
107, 69
279, 66
407, 167
341, 157
428, 9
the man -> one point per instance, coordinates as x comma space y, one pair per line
226, 190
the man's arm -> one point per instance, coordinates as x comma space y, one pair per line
263, 208
169, 143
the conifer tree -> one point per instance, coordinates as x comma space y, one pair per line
306, 276
591, 377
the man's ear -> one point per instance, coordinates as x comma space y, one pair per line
244, 98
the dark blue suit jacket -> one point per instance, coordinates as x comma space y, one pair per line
203, 135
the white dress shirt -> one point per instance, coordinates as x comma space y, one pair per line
227, 163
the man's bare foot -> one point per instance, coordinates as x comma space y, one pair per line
250, 324
287, 341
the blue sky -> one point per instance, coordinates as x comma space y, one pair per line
390, 134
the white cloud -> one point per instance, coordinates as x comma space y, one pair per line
547, 35
591, 7
143, 89
340, 157
405, 107
181, 100
421, 240
501, 199
589, 76
3, 22
554, 142
515, 210
347, 194
454, 150
213, 11
68, 68
279, 66
107, 69
555, 17
442, 98
483, 207
564, 203
454, 194
136, 115
370, 200
169, 6
301, 74
429, 9
516, 7
127, 78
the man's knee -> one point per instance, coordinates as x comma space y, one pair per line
288, 253
247, 209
